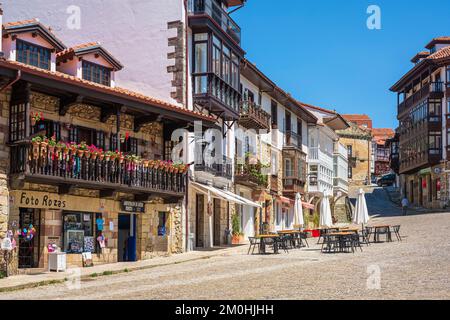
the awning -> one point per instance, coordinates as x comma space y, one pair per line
247, 201
285, 200
224, 195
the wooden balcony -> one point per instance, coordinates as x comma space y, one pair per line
224, 169
251, 175
419, 161
274, 184
435, 90
36, 164
292, 186
293, 141
252, 116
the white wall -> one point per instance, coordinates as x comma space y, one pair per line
134, 31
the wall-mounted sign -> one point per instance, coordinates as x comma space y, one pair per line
7, 244
49, 201
133, 206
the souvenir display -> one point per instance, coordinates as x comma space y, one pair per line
89, 245
28, 233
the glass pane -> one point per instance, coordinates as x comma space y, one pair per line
201, 85
201, 58
201, 37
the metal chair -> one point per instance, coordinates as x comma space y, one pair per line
304, 236
330, 243
254, 242
396, 230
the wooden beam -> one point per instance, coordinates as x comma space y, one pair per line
65, 189
66, 103
139, 122
106, 113
109, 193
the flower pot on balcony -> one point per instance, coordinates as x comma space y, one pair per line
44, 146
36, 149
145, 163
101, 156
80, 153
87, 154
107, 158
94, 155
121, 159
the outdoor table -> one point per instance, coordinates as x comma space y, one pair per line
340, 235
262, 244
377, 227
294, 233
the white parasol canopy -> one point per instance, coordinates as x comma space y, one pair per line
325, 212
298, 210
361, 215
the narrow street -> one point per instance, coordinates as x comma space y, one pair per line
417, 268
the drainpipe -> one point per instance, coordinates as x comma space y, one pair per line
9, 84
186, 34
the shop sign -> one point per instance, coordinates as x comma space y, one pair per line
133, 206
425, 171
7, 244
41, 201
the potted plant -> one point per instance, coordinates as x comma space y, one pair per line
36, 117
36, 142
101, 155
82, 148
108, 155
237, 235
146, 163
52, 144
121, 157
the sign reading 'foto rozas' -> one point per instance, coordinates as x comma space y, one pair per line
53, 201
41, 201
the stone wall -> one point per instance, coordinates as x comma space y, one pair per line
4, 166
361, 164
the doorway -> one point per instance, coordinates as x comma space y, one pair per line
29, 248
199, 220
216, 218
127, 238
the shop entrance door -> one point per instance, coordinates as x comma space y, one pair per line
216, 222
29, 248
199, 220
127, 238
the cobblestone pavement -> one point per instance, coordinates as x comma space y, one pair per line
417, 268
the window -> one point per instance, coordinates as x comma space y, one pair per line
33, 55
448, 76
201, 63
217, 56
90, 136
274, 168
17, 122
434, 110
350, 151
96, 73
350, 172
128, 146
49, 129
434, 142
274, 111
288, 168
78, 230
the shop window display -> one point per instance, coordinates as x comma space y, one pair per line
78, 232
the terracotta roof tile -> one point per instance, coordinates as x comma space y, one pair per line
442, 39
20, 23
116, 90
440, 54
351, 117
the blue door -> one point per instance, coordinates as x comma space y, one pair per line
131, 250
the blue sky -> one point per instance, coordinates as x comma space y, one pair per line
323, 53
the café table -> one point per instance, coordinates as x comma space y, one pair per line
264, 238
377, 229
341, 239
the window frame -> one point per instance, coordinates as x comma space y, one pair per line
20, 51
104, 75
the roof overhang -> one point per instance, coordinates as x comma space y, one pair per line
336, 123
39, 29
65, 85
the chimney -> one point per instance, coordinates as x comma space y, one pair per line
1, 32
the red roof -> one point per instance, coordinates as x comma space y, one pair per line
383, 132
443, 39
440, 54
20, 23
354, 117
317, 108
125, 93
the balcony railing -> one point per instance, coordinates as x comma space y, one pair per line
252, 116
39, 163
251, 175
436, 88
293, 140
218, 14
224, 169
315, 155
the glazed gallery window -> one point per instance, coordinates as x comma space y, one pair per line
201, 63
96, 73
33, 55
48, 128
17, 122
87, 135
434, 142
78, 232
434, 110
